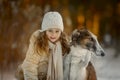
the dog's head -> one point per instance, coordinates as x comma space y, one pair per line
87, 40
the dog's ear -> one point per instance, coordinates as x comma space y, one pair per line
75, 35
83, 32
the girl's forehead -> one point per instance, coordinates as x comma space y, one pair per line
53, 29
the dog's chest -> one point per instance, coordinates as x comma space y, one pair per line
75, 63
77, 73
79, 60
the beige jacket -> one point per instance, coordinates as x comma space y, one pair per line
32, 64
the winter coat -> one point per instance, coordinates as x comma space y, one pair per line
36, 65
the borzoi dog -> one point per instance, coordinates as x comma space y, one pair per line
83, 44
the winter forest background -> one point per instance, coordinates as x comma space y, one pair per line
20, 18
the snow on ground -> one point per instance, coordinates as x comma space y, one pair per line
107, 67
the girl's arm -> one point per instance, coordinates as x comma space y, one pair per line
30, 64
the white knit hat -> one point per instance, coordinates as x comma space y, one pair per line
52, 20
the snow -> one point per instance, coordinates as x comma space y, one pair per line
107, 67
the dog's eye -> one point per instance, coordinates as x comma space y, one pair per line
90, 38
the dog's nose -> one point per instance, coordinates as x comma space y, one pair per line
102, 53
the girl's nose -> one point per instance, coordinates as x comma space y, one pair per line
53, 34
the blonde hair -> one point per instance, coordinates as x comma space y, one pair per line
41, 43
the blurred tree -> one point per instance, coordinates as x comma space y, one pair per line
19, 18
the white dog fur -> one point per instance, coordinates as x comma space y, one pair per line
76, 62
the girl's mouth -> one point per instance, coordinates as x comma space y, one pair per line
52, 37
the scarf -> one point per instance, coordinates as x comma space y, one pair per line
55, 65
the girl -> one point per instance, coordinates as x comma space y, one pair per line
44, 59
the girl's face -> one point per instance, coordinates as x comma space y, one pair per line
53, 34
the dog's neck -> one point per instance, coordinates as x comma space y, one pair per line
78, 48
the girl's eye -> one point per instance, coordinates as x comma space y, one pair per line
50, 30
57, 31
53, 31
